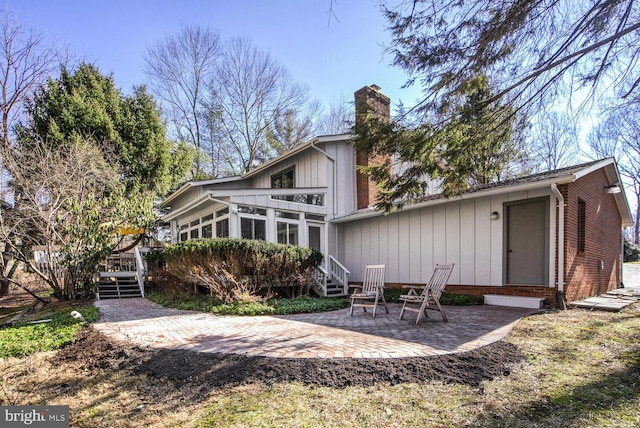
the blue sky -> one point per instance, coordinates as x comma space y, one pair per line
333, 57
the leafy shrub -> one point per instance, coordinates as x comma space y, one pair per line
233, 269
391, 295
296, 305
169, 284
631, 251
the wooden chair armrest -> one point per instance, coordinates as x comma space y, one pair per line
413, 290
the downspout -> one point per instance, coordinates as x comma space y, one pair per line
560, 293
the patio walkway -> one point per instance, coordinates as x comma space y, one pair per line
323, 335
620, 298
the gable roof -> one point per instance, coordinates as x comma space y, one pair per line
263, 166
542, 179
191, 184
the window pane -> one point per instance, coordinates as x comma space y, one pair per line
194, 234
222, 228
260, 229
183, 236
282, 232
252, 210
314, 217
195, 223
293, 234
284, 214
222, 212
314, 238
246, 228
283, 180
207, 231
207, 218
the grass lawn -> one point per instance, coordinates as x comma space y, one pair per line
582, 370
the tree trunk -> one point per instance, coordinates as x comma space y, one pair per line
4, 286
636, 226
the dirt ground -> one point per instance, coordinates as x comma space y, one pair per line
93, 351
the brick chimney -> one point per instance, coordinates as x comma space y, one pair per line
369, 99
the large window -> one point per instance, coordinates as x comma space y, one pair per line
184, 233
253, 228
222, 223
284, 179
582, 220
287, 233
253, 223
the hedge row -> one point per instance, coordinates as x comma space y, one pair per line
232, 269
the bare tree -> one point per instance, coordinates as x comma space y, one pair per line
179, 67
555, 140
619, 137
26, 60
292, 127
251, 90
71, 202
339, 119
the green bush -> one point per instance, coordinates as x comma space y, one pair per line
296, 305
233, 269
391, 295
26, 338
631, 251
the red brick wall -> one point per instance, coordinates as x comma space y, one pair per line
603, 238
366, 191
549, 294
369, 99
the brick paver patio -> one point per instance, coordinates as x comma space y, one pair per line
323, 335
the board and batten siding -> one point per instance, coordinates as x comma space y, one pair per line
411, 242
310, 168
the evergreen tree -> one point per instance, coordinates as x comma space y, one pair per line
86, 104
474, 149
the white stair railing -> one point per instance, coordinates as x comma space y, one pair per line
339, 273
140, 270
319, 277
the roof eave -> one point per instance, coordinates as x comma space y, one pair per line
363, 214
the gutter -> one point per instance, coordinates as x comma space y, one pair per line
560, 198
367, 213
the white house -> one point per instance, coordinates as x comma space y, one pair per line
545, 235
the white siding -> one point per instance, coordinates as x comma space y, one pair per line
467, 243
410, 243
482, 241
415, 246
345, 175
310, 170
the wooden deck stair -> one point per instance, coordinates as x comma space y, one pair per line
335, 289
118, 285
